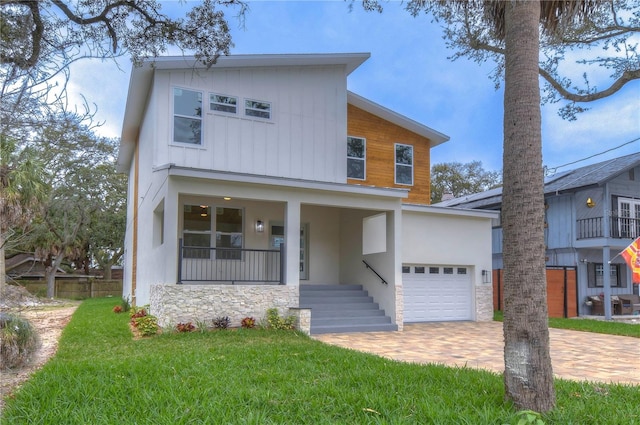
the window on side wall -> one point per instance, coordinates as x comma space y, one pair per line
229, 223
196, 234
223, 103
404, 164
356, 157
187, 116
257, 109
595, 273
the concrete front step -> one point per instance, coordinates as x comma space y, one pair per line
338, 321
343, 308
315, 330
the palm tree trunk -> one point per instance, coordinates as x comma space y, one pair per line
528, 374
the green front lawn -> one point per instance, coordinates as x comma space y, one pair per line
100, 375
589, 325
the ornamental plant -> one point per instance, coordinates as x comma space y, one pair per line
185, 327
248, 323
278, 322
221, 322
18, 341
117, 309
147, 325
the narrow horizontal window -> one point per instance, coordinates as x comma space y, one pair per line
222, 103
434, 270
462, 270
258, 109
419, 270
406, 269
448, 270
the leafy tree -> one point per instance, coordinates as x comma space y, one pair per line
460, 179
79, 169
517, 34
40, 40
21, 190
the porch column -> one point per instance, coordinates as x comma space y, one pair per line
606, 281
171, 233
292, 243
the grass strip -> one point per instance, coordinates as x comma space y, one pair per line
101, 375
588, 325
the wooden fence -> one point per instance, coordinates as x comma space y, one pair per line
562, 291
76, 289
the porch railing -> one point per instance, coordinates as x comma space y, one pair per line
230, 265
619, 227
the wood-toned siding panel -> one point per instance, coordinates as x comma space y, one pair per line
381, 138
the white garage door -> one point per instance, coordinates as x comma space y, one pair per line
436, 293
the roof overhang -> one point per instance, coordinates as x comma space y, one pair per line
460, 212
434, 136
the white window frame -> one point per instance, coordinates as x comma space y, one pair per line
191, 117
354, 158
223, 105
396, 164
247, 108
626, 228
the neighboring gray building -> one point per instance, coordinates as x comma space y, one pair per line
592, 213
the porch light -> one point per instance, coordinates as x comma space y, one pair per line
486, 276
259, 226
590, 202
204, 211
227, 198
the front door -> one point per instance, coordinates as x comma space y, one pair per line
276, 230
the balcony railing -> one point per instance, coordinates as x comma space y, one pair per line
619, 227
230, 265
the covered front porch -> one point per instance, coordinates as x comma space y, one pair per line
241, 247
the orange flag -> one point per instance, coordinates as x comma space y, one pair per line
632, 256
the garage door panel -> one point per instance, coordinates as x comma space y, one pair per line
437, 297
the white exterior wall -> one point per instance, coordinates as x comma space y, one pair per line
324, 249
305, 139
443, 239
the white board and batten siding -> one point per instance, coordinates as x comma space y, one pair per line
437, 293
304, 139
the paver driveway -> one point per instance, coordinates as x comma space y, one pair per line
575, 355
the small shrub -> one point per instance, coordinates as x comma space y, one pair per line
278, 322
147, 325
18, 340
125, 304
221, 322
201, 326
185, 327
248, 323
136, 313
117, 309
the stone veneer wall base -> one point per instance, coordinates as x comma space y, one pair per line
174, 304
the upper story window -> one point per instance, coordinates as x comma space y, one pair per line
404, 164
356, 157
223, 103
629, 217
257, 108
187, 116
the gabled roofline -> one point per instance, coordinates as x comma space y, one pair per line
142, 77
367, 105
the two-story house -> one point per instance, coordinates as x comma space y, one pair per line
592, 213
263, 182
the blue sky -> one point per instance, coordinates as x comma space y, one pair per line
408, 72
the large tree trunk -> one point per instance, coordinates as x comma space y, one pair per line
50, 275
3, 268
528, 374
